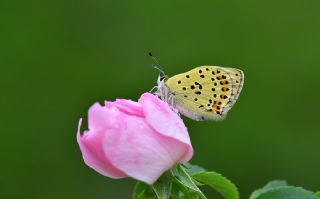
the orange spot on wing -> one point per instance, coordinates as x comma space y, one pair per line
216, 106
225, 89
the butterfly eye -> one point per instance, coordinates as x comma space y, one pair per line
162, 78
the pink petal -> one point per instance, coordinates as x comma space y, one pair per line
97, 116
127, 106
91, 147
136, 149
165, 121
102, 117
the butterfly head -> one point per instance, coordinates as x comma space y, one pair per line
161, 78
161, 88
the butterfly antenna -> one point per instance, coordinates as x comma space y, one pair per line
157, 65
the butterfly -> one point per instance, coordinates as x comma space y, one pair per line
203, 93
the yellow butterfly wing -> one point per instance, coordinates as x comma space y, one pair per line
205, 92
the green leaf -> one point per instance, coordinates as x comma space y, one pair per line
275, 184
193, 169
180, 173
183, 191
280, 190
175, 191
270, 185
317, 194
143, 191
162, 187
287, 192
197, 183
218, 182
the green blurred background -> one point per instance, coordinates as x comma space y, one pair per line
59, 57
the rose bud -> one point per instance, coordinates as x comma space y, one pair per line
140, 139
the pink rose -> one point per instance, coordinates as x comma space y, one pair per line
140, 139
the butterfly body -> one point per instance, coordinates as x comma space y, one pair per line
203, 93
